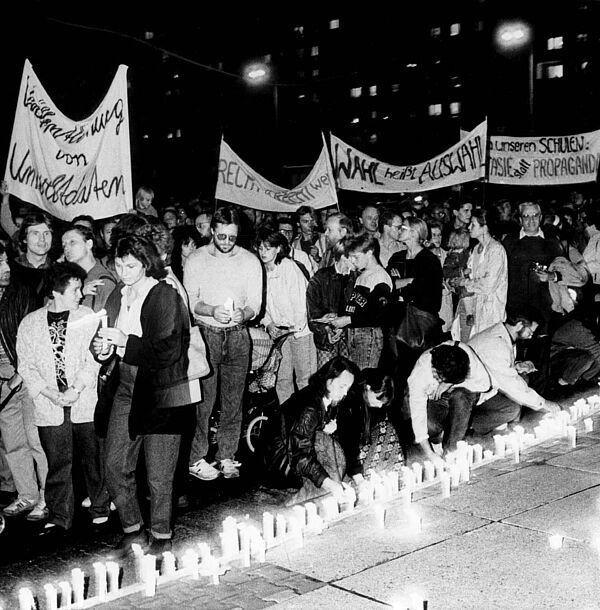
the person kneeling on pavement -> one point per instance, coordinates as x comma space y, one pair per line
443, 387
302, 450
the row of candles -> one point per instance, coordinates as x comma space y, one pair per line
242, 541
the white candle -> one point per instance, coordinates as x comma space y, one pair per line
418, 470
470, 454
556, 541
268, 528
462, 448
428, 470
295, 533
299, 512
464, 470
574, 413
26, 599
454, 475
214, 571
380, 490
259, 549
408, 477
78, 582
311, 515
488, 454
589, 424
499, 445
100, 580
138, 555
149, 575
414, 521
190, 563
394, 483
65, 594
379, 515
330, 509
350, 498
445, 484
280, 527
477, 453
51, 597
572, 436
230, 539
244, 545
104, 324
112, 570
229, 305
366, 493
168, 564
204, 552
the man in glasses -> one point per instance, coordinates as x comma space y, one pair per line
529, 253
390, 225
224, 283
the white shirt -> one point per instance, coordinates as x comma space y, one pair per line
131, 310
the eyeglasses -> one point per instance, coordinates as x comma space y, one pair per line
530, 216
396, 226
286, 231
223, 237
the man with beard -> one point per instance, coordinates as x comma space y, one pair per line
495, 347
224, 283
24, 452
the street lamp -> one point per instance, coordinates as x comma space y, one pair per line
258, 74
513, 36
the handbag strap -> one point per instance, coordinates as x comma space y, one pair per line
491, 386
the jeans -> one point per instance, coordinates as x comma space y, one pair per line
229, 357
365, 346
573, 364
448, 417
58, 443
6, 479
24, 454
494, 412
160, 452
299, 356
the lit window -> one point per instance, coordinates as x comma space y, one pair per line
373, 90
355, 120
555, 43
314, 51
148, 35
555, 71
455, 29
435, 110
168, 93
373, 138
395, 87
169, 136
178, 133
299, 29
334, 24
455, 80
454, 108
435, 32
385, 118
373, 114
356, 92
175, 75
315, 72
582, 38
146, 136
411, 65
301, 96
584, 65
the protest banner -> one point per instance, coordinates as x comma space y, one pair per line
238, 183
67, 167
463, 162
547, 160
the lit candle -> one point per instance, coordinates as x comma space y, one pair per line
190, 563
464, 470
445, 484
168, 564
100, 580
26, 599
229, 305
572, 436
379, 515
574, 413
350, 498
428, 470
470, 454
65, 594
462, 448
149, 575
112, 570
499, 445
258, 547
488, 454
393, 483
268, 528
230, 540
408, 477
204, 552
556, 541
330, 509
138, 555
295, 533
311, 516
477, 453
414, 521
366, 493
78, 583
454, 475
244, 545
589, 424
299, 512
380, 490
104, 324
514, 444
51, 597
418, 470
214, 570
280, 527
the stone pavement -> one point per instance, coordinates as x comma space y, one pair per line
485, 546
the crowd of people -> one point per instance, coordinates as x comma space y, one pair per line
403, 328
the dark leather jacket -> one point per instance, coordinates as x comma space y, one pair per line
17, 301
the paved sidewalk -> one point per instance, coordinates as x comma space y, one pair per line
485, 546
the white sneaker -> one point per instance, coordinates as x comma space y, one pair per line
230, 468
204, 471
39, 512
86, 503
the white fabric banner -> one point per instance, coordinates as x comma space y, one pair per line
464, 162
67, 167
239, 183
547, 160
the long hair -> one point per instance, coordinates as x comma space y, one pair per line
144, 251
331, 370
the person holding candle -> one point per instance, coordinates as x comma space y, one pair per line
149, 333
60, 374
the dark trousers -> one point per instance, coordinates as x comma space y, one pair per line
448, 417
160, 453
229, 355
58, 443
494, 412
573, 364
